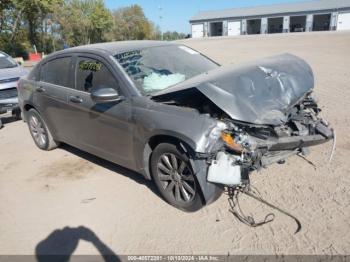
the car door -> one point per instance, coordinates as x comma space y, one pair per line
50, 95
103, 129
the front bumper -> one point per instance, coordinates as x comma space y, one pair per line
323, 134
229, 169
8, 97
9, 104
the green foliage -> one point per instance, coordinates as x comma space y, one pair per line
130, 23
83, 22
52, 24
170, 36
19, 47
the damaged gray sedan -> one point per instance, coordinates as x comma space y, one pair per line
170, 113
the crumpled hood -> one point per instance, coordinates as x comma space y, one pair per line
260, 92
7, 73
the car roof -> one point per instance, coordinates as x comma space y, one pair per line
117, 47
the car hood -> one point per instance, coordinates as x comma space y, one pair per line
260, 92
14, 72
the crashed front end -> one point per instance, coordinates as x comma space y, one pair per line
243, 147
264, 110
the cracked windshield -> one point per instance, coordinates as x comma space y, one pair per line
157, 68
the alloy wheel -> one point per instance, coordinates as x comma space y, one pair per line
38, 131
176, 177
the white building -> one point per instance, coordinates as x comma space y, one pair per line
320, 15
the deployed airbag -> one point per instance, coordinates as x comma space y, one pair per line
159, 82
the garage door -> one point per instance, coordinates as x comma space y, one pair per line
343, 21
234, 28
197, 31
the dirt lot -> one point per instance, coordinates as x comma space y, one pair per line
65, 199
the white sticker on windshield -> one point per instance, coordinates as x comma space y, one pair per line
188, 50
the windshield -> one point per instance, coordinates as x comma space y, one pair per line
157, 68
6, 62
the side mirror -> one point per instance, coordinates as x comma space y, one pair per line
104, 94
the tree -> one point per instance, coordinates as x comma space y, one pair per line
34, 12
5, 6
156, 32
13, 39
101, 21
83, 21
50, 24
170, 36
130, 23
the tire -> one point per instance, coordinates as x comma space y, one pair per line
17, 114
174, 178
39, 131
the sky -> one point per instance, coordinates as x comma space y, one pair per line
177, 13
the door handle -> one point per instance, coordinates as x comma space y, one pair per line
76, 99
40, 89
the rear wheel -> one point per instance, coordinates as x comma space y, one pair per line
39, 131
174, 178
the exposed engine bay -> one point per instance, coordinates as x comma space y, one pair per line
245, 147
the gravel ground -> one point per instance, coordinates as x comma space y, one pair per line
67, 201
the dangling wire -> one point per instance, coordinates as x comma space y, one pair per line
333, 146
308, 161
236, 210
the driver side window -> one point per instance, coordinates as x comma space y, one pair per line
93, 73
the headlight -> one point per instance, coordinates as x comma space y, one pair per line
215, 135
230, 142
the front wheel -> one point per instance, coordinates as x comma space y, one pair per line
174, 178
16, 113
39, 131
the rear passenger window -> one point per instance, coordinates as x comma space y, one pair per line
56, 72
92, 73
